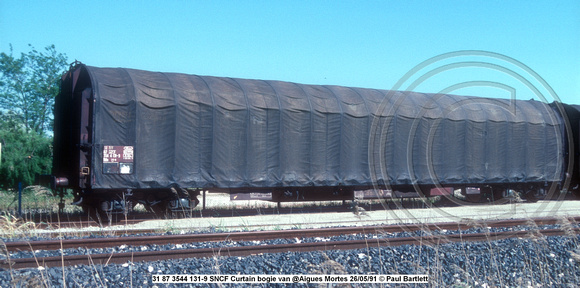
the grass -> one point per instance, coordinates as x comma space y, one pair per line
476, 268
37, 203
40, 205
36, 200
13, 226
461, 274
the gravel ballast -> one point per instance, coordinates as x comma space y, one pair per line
546, 261
298, 239
527, 262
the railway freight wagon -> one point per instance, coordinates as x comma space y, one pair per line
125, 136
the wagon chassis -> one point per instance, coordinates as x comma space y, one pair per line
104, 181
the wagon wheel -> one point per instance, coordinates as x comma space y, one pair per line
96, 214
179, 210
161, 209
532, 195
445, 201
181, 213
497, 194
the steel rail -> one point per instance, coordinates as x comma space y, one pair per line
118, 258
270, 234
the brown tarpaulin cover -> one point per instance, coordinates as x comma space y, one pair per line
201, 131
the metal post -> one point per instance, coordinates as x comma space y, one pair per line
19, 199
61, 204
203, 208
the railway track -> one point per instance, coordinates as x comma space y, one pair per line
241, 251
68, 260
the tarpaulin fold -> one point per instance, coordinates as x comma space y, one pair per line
202, 131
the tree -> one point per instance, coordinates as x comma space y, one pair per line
29, 84
28, 87
24, 154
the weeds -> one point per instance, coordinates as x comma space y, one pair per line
12, 226
217, 228
329, 267
245, 226
6, 255
38, 204
534, 269
29, 280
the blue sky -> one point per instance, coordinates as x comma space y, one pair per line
370, 44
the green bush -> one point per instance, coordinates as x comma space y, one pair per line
24, 155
